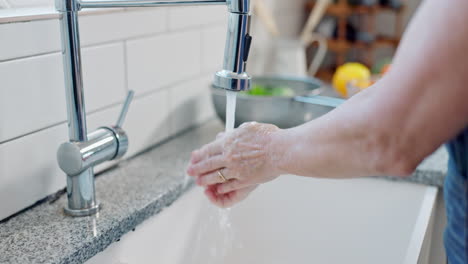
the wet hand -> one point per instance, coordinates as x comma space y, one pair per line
245, 157
226, 200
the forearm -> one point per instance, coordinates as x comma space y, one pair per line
391, 127
345, 143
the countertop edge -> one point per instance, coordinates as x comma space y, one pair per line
420, 176
126, 225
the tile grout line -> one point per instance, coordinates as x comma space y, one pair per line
31, 56
143, 95
53, 15
125, 54
169, 86
199, 75
33, 132
201, 30
170, 95
169, 89
95, 111
110, 42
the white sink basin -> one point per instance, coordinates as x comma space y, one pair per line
292, 220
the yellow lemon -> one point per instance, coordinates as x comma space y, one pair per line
347, 73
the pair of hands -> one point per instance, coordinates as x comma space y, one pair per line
245, 157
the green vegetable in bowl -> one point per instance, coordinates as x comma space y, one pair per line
266, 90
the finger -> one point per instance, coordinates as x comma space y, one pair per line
231, 186
229, 199
212, 149
213, 178
248, 155
210, 192
206, 166
223, 201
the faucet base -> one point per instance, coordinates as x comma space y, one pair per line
82, 212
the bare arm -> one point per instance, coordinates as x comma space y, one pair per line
393, 126
386, 130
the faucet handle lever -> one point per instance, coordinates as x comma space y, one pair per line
125, 107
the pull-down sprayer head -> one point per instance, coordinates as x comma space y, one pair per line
233, 76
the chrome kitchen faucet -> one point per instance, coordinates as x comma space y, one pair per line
78, 156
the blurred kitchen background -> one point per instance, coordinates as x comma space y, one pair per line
316, 37
168, 56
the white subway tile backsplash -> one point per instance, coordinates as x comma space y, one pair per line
190, 103
103, 75
122, 25
168, 55
105, 117
193, 16
31, 95
213, 42
156, 62
24, 39
33, 88
147, 121
29, 38
29, 170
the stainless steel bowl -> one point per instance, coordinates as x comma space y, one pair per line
282, 111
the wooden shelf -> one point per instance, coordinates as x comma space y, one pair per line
344, 45
367, 17
325, 74
385, 40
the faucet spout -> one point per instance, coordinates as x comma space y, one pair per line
233, 76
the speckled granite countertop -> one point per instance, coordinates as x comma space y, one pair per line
431, 171
134, 191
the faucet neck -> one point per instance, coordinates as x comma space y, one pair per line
67, 5
239, 6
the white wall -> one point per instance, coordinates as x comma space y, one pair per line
168, 55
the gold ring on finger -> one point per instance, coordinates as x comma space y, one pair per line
221, 176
